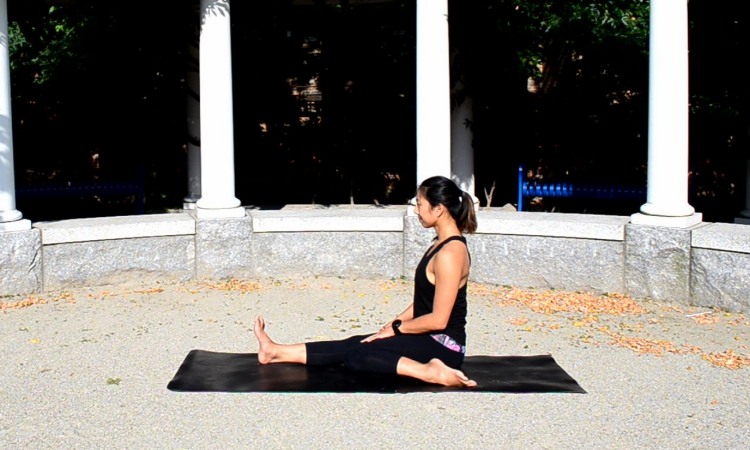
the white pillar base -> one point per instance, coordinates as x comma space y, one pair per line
10, 215
671, 208
223, 213
666, 221
189, 203
17, 225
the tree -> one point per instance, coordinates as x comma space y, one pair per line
98, 90
554, 85
719, 141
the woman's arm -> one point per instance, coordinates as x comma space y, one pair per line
449, 270
407, 314
387, 329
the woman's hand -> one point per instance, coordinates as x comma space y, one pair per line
385, 332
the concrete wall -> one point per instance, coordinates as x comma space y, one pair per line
706, 265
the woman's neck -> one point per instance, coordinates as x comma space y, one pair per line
446, 231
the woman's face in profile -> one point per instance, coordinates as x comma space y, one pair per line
424, 211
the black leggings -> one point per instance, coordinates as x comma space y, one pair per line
380, 356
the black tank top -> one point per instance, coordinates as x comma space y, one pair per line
424, 296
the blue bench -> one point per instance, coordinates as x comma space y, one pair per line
530, 189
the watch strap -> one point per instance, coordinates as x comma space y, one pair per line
396, 325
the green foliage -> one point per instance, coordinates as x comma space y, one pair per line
42, 49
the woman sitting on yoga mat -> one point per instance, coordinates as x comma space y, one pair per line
427, 341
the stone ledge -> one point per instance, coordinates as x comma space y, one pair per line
582, 226
16, 225
119, 227
722, 236
300, 218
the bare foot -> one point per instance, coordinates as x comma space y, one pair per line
266, 350
440, 373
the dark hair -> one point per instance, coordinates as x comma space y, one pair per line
440, 190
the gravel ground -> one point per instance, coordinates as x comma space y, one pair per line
88, 369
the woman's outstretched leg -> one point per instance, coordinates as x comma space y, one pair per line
435, 371
270, 352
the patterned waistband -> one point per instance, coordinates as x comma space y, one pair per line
449, 343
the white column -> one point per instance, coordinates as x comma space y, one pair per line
746, 212
668, 116
216, 114
10, 218
192, 87
462, 151
744, 217
433, 90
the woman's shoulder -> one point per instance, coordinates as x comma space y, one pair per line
453, 248
455, 242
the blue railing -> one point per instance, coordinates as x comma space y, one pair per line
527, 189
102, 188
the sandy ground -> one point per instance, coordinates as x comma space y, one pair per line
88, 368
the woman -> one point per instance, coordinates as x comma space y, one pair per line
427, 341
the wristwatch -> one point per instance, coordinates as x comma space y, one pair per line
396, 325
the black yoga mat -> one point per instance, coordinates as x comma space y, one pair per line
206, 371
